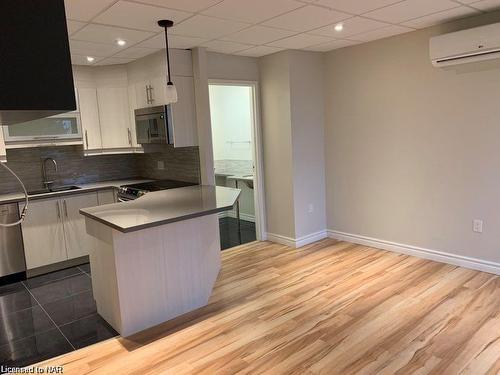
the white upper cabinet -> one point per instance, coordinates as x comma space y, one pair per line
89, 113
105, 110
114, 117
3, 152
184, 113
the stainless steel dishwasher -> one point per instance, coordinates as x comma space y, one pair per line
11, 242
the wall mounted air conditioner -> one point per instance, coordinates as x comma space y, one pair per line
461, 47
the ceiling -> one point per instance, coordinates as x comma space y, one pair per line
247, 27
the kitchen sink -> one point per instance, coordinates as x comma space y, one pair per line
55, 189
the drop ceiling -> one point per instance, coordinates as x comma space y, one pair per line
247, 27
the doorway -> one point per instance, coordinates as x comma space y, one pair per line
237, 159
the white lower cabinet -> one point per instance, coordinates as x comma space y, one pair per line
78, 242
43, 233
54, 231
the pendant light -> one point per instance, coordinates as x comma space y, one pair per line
171, 92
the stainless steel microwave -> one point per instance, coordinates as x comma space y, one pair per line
154, 125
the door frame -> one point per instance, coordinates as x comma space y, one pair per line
257, 151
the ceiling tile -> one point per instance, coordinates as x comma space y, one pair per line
207, 27
487, 5
187, 5
109, 34
253, 11
174, 41
225, 47
441, 17
352, 26
114, 61
85, 10
329, 46
259, 51
139, 16
259, 35
74, 26
381, 33
300, 41
79, 47
410, 9
81, 60
135, 52
306, 18
356, 6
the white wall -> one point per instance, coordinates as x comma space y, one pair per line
222, 66
231, 116
413, 152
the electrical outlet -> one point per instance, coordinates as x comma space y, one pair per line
161, 165
310, 208
477, 226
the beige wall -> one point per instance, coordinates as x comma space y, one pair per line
241, 68
294, 155
277, 144
413, 152
308, 134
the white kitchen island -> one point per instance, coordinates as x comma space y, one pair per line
156, 257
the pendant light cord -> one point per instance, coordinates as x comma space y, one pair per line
25, 209
168, 57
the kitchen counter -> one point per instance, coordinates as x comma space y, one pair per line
94, 186
156, 257
163, 207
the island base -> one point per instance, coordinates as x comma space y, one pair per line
147, 277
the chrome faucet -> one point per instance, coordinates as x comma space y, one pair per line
46, 181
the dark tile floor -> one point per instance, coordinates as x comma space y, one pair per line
228, 228
49, 315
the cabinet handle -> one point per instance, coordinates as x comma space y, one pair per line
129, 136
147, 94
149, 135
58, 210
65, 208
87, 139
151, 92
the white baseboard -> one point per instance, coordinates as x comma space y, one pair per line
438, 256
243, 216
296, 242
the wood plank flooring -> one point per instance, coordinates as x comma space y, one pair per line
328, 308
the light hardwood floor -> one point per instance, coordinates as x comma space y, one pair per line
331, 307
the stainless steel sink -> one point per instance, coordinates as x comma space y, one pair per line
55, 189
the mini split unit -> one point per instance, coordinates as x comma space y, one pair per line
466, 46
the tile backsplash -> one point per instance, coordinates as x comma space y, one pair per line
75, 168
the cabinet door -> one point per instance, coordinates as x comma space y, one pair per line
158, 91
43, 233
3, 152
132, 100
106, 197
184, 113
78, 242
89, 114
142, 94
114, 117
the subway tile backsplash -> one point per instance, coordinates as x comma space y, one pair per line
75, 168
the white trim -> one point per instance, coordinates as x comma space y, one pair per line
297, 242
438, 256
259, 194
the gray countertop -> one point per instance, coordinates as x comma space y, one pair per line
164, 207
18, 197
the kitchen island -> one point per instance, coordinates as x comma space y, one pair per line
156, 257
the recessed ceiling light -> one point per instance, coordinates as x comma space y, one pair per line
121, 42
339, 27
90, 59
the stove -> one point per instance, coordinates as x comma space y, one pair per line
134, 191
